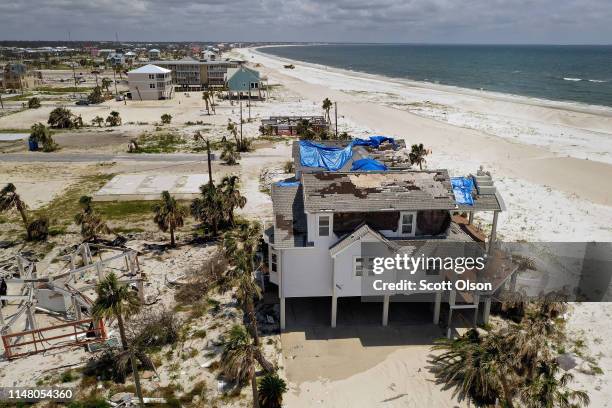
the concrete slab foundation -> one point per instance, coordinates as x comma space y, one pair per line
129, 187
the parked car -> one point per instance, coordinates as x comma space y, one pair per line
82, 102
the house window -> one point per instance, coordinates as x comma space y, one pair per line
407, 224
273, 262
324, 225
152, 86
151, 76
363, 266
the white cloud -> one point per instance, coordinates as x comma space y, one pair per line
519, 21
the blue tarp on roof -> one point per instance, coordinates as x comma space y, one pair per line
328, 157
368, 165
333, 158
462, 188
288, 183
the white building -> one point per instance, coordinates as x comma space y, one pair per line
323, 218
150, 82
154, 54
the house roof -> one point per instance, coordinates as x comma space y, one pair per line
384, 153
290, 219
358, 234
377, 191
149, 69
394, 190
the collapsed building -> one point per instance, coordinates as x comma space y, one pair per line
49, 306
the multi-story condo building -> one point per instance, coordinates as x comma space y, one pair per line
189, 74
150, 82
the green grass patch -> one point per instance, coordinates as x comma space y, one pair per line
165, 142
116, 210
64, 207
63, 89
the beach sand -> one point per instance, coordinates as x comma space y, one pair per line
552, 163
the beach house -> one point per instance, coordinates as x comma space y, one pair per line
150, 82
243, 80
348, 193
189, 74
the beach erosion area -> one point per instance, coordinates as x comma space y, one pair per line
552, 163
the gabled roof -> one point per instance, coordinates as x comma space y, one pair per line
357, 235
149, 69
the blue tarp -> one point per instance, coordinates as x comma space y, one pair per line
462, 188
328, 157
333, 158
368, 165
288, 183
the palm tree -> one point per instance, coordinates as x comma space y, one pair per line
209, 207
106, 83
239, 359
271, 390
549, 389
169, 215
206, 98
327, 104
244, 238
229, 154
9, 200
98, 120
91, 223
231, 196
417, 155
117, 300
60, 118
476, 367
114, 119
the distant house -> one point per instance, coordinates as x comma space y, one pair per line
17, 76
130, 57
116, 58
150, 82
243, 80
154, 54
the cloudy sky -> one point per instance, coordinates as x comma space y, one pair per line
435, 21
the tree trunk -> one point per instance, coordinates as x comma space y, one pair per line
210, 180
265, 364
22, 212
172, 242
124, 342
136, 378
250, 311
254, 388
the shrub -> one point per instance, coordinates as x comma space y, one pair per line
95, 96
34, 103
166, 119
61, 118
90, 402
153, 330
42, 135
114, 119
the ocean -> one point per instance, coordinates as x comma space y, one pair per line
560, 73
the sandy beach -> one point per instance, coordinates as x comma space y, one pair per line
550, 160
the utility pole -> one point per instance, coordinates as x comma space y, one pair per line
210, 180
1, 103
115, 80
240, 124
336, 117
249, 104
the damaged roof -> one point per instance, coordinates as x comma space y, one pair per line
385, 153
289, 216
390, 190
377, 191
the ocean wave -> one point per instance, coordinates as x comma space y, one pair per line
572, 79
597, 81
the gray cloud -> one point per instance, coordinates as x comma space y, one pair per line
448, 21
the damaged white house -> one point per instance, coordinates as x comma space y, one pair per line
338, 201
